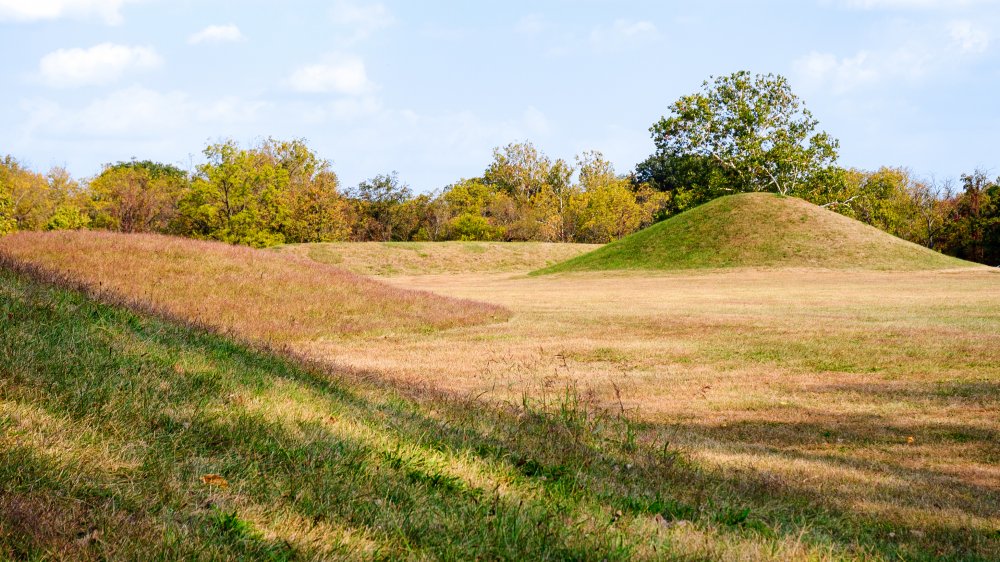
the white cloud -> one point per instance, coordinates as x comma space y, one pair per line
968, 37
34, 10
361, 20
138, 112
336, 74
926, 51
217, 34
99, 64
622, 33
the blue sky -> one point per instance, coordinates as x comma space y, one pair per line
429, 88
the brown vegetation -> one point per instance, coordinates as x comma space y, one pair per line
420, 258
279, 299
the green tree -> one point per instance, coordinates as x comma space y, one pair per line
8, 223
236, 197
973, 231
32, 201
609, 206
73, 202
688, 179
314, 210
742, 132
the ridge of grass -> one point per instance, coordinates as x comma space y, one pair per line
759, 230
434, 258
259, 294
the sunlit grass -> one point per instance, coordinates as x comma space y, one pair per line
254, 294
747, 414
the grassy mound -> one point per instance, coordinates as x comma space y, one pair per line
428, 258
759, 230
259, 294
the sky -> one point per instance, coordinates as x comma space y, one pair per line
429, 88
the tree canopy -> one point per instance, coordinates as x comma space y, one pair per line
741, 133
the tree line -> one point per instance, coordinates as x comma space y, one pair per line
277, 192
740, 133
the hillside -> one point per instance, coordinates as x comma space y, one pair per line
759, 230
127, 437
261, 295
423, 258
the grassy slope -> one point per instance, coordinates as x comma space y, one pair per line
259, 294
112, 422
759, 230
421, 258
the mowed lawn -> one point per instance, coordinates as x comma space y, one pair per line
741, 414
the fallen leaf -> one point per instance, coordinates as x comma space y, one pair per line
215, 480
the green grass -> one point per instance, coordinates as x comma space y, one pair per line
758, 230
110, 419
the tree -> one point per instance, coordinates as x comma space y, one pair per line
383, 209
73, 202
137, 196
237, 196
314, 211
743, 132
610, 206
538, 192
32, 201
689, 180
973, 231
8, 223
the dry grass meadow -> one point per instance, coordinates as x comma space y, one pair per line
873, 393
855, 413
423, 258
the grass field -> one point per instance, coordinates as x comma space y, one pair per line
421, 258
734, 414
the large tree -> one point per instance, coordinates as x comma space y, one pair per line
742, 132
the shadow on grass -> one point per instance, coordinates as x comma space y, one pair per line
363, 469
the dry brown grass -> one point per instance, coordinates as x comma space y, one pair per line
255, 294
422, 258
870, 392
